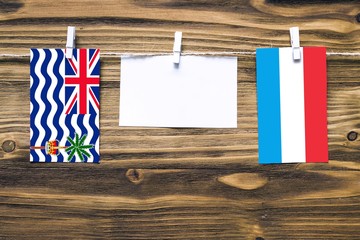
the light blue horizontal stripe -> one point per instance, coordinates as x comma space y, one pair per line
268, 97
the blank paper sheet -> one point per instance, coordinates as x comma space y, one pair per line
200, 92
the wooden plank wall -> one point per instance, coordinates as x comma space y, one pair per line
180, 183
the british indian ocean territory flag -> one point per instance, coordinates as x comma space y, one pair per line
64, 105
292, 116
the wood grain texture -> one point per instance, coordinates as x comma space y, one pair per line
166, 183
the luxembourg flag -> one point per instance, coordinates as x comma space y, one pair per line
292, 117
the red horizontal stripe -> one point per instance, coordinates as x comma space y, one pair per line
315, 90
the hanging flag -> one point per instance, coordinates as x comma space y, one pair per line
292, 101
64, 105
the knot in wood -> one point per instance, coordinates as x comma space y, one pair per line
8, 146
358, 18
259, 238
135, 176
352, 136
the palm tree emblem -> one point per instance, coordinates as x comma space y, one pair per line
78, 147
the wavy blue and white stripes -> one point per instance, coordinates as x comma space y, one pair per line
48, 120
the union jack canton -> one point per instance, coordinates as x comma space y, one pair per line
82, 78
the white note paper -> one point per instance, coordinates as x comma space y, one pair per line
200, 92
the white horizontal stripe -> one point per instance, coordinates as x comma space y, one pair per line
292, 107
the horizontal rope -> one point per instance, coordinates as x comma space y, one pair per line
128, 54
